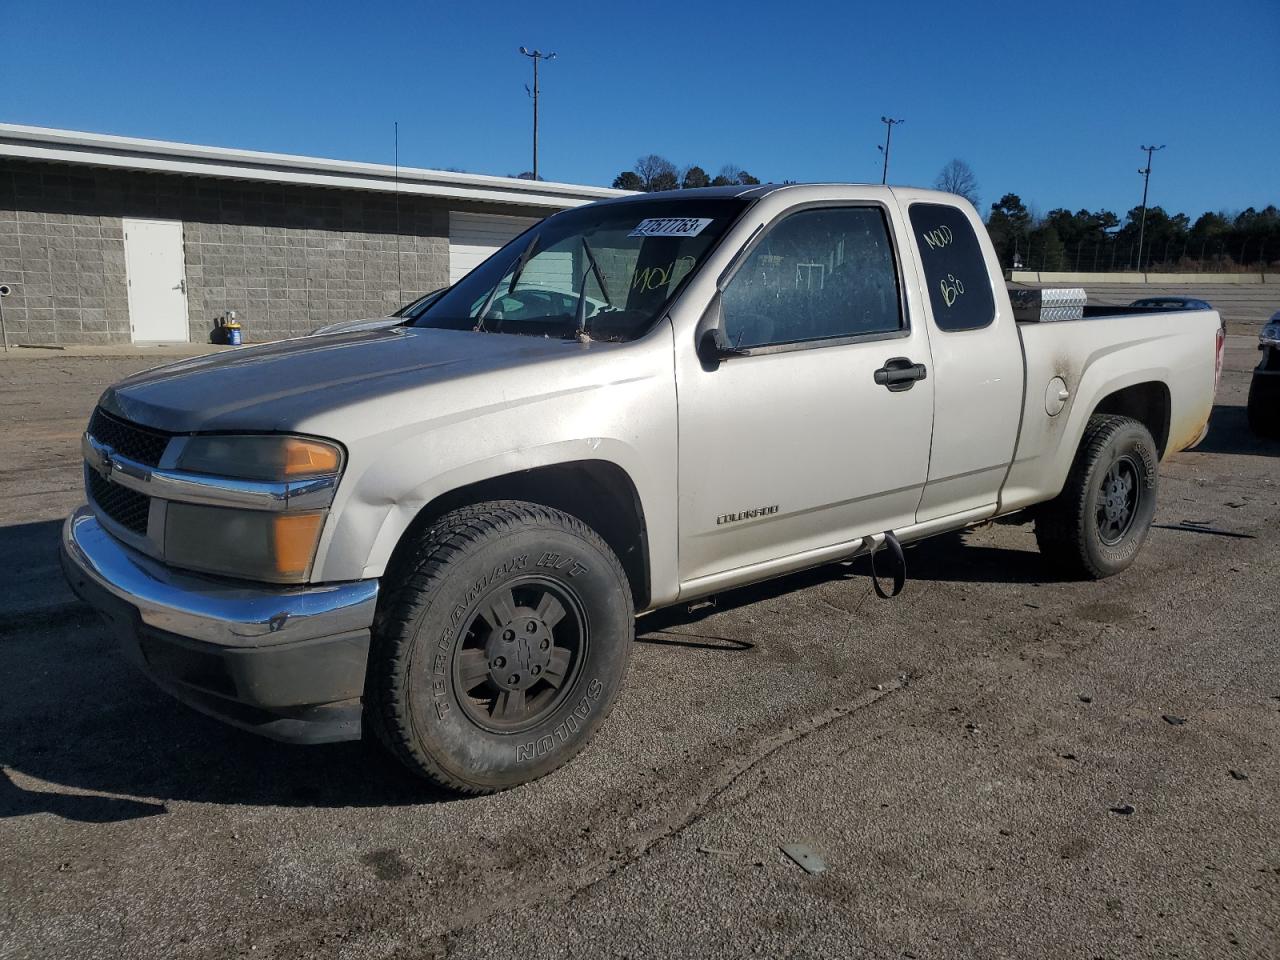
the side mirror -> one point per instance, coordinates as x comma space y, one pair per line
714, 348
711, 345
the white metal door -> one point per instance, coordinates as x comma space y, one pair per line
156, 268
473, 237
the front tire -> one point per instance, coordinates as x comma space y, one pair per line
499, 646
1095, 527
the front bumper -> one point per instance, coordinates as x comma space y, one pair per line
1264, 390
285, 662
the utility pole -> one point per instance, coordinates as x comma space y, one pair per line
888, 136
1146, 182
535, 56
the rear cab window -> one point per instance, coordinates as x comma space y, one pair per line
954, 268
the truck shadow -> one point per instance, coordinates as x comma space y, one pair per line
33, 583
86, 737
950, 558
944, 558
1229, 433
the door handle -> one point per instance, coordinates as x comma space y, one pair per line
181, 285
900, 374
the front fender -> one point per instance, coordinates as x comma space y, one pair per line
624, 415
392, 515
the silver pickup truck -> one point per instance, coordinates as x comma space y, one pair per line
441, 530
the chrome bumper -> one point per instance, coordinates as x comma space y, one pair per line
286, 662
210, 608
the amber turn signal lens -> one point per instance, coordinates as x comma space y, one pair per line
294, 537
305, 458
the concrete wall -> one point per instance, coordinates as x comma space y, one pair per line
286, 259
1061, 278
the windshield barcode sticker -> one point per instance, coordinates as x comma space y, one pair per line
670, 227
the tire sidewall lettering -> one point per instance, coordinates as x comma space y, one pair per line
442, 659
575, 565
570, 725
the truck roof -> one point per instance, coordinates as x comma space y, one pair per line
698, 193
756, 191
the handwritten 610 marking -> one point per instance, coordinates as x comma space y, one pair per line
951, 288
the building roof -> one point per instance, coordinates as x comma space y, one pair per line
162, 156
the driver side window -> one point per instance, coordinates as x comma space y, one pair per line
816, 275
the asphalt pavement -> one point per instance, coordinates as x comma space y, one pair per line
998, 763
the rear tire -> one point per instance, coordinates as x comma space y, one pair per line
499, 645
1095, 527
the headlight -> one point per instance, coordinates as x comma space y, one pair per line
250, 544
260, 457
1270, 336
224, 530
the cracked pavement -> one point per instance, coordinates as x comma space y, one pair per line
954, 756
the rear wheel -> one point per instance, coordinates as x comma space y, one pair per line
1097, 525
499, 646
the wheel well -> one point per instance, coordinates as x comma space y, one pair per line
597, 492
1148, 403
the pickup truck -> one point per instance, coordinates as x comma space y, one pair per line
440, 531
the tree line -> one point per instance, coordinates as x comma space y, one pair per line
653, 172
1101, 240
1086, 240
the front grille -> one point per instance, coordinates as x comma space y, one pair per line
142, 444
126, 507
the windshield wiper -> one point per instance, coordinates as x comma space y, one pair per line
595, 267
517, 267
581, 333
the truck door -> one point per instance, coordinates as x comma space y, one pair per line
820, 434
977, 358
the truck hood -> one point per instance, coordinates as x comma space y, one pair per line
350, 326
277, 386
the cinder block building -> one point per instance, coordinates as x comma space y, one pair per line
113, 239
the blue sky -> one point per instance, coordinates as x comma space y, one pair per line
1050, 101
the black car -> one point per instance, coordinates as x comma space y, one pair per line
1172, 303
1264, 391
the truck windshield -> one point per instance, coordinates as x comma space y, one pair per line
609, 268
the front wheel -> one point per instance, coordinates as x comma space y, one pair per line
1098, 523
499, 646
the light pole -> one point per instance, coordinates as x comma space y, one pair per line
535, 56
1146, 182
888, 136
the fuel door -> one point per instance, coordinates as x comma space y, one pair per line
1056, 396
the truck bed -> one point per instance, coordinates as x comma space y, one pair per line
1157, 347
